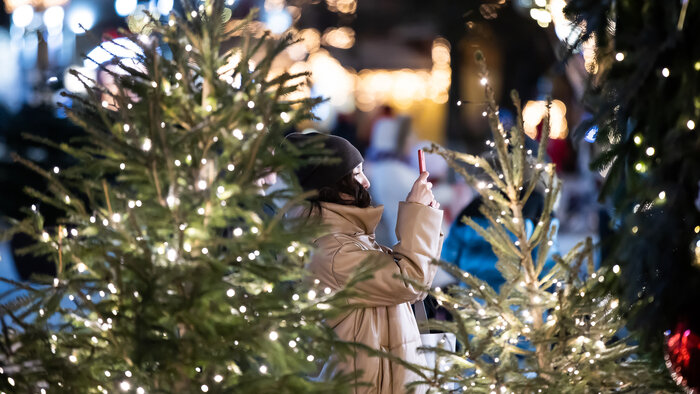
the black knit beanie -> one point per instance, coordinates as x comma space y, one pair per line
316, 175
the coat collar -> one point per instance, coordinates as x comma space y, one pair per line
350, 219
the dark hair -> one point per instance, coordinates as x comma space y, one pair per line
347, 185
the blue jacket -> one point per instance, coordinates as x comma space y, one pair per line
471, 253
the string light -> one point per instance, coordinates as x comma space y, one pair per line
650, 151
218, 378
619, 56
690, 125
146, 144
616, 269
188, 47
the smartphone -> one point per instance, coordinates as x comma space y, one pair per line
421, 161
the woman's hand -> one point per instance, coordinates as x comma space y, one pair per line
421, 192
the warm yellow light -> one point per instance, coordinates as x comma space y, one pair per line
588, 49
441, 51
346, 6
38, 5
332, 80
340, 37
311, 39
226, 71
534, 113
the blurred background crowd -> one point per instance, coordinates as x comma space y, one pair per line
397, 75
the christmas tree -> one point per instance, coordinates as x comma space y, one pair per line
174, 272
644, 93
547, 329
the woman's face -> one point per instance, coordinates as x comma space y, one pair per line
360, 176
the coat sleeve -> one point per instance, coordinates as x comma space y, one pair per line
418, 232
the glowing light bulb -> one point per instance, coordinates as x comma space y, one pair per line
124, 385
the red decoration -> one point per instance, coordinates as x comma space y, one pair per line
683, 356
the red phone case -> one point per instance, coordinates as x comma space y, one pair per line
421, 161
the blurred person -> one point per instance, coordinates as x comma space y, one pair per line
346, 127
389, 169
365, 125
382, 318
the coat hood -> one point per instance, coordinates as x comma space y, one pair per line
349, 219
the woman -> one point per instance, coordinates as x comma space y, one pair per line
382, 318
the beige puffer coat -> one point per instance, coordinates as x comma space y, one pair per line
384, 319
